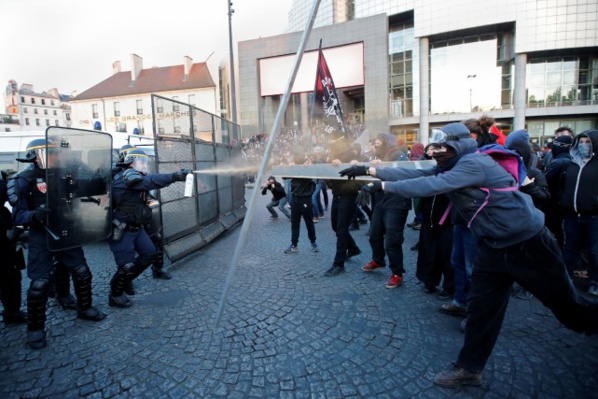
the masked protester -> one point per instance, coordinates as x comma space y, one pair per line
131, 245
27, 195
512, 244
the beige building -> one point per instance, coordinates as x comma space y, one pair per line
123, 103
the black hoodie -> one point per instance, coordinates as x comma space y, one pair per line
580, 194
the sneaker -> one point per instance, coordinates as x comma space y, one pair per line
444, 295
334, 270
321, 216
593, 290
315, 220
455, 376
292, 249
314, 247
395, 281
273, 217
373, 265
453, 309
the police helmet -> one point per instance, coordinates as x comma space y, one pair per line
36, 152
138, 159
122, 153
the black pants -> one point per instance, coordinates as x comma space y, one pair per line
341, 216
302, 207
387, 236
536, 265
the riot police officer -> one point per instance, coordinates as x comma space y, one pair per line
27, 195
131, 245
12, 263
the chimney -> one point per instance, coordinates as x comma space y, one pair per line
53, 92
187, 63
115, 67
136, 66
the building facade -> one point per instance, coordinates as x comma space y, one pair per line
528, 63
28, 110
123, 103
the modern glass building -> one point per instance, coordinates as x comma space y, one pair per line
528, 63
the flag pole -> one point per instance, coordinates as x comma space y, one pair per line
273, 133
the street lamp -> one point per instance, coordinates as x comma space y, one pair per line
472, 77
233, 96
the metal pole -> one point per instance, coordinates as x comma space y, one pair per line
273, 133
233, 93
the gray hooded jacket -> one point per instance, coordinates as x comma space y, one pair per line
507, 219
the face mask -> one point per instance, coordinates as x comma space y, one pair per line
585, 150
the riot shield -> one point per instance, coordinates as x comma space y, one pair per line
79, 181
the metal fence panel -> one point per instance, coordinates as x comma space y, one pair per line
188, 137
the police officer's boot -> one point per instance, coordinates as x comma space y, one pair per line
82, 280
37, 298
62, 280
117, 296
158, 267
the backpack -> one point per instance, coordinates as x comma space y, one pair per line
510, 161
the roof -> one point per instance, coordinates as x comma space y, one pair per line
153, 80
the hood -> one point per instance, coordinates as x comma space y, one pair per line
463, 146
417, 150
593, 135
519, 141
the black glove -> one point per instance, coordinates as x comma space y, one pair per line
355, 170
41, 214
373, 187
181, 175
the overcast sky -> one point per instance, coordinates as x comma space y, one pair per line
71, 44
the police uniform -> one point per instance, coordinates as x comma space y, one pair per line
10, 269
131, 245
27, 195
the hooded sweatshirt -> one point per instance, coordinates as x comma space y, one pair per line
499, 222
580, 193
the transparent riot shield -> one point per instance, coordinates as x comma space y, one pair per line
79, 181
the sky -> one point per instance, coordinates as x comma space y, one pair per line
71, 44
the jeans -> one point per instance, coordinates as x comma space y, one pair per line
302, 207
386, 237
580, 231
281, 204
537, 265
341, 216
462, 259
318, 208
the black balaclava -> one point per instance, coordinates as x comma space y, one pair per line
445, 160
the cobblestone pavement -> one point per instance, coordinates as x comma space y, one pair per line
287, 332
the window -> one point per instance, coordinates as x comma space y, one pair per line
35, 111
94, 110
47, 122
192, 99
175, 106
27, 121
32, 100
159, 105
22, 99
25, 110
116, 108
67, 116
45, 112
56, 122
139, 107
52, 102
43, 102
55, 113
37, 122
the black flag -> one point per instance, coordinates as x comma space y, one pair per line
327, 106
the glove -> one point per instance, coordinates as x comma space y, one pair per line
181, 175
355, 170
40, 214
373, 187
132, 176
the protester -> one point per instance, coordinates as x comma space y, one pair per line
512, 242
279, 198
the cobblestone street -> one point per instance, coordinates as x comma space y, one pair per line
286, 332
